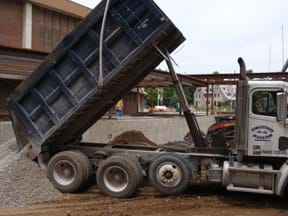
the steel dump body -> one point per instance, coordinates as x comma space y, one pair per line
61, 99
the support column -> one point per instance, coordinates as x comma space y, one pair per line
212, 100
138, 100
27, 25
207, 100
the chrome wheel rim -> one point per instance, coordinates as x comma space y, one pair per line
116, 179
169, 174
64, 172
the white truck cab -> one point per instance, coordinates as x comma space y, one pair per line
261, 138
267, 131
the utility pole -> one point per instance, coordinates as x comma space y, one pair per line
269, 61
283, 46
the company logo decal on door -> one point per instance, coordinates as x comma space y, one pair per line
262, 133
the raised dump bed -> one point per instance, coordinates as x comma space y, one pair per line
62, 98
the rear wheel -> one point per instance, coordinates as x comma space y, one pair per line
118, 176
85, 163
68, 171
169, 174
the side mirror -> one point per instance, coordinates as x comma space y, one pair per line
282, 107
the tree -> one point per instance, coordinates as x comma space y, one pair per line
189, 93
169, 95
250, 71
173, 101
151, 97
216, 72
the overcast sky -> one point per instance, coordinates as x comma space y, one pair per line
218, 32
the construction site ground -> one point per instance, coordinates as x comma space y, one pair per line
202, 201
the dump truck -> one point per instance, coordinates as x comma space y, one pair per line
94, 66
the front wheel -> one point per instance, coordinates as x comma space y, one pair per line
169, 174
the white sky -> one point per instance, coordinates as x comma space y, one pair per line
219, 31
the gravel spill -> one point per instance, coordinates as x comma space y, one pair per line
21, 180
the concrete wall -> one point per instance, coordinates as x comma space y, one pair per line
6, 132
158, 130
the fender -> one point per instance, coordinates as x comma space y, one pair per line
281, 180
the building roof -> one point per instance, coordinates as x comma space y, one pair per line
17, 64
64, 6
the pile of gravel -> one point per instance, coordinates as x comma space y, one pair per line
21, 180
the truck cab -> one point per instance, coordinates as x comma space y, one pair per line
261, 135
267, 130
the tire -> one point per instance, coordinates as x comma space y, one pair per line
169, 174
139, 170
67, 171
118, 176
85, 163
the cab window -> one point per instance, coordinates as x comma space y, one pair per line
265, 103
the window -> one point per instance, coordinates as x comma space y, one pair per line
50, 39
42, 31
264, 103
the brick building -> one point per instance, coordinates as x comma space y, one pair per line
38, 24
30, 29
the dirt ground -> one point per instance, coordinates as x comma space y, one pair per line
197, 201
132, 137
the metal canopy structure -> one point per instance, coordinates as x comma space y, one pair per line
160, 79
231, 79
17, 64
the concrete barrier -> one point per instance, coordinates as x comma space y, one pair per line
158, 130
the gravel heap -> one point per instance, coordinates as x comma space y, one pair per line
21, 180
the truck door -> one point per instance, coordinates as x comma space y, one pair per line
265, 132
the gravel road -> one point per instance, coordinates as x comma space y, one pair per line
21, 180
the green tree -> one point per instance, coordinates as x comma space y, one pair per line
189, 93
151, 97
167, 95
173, 101
250, 71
